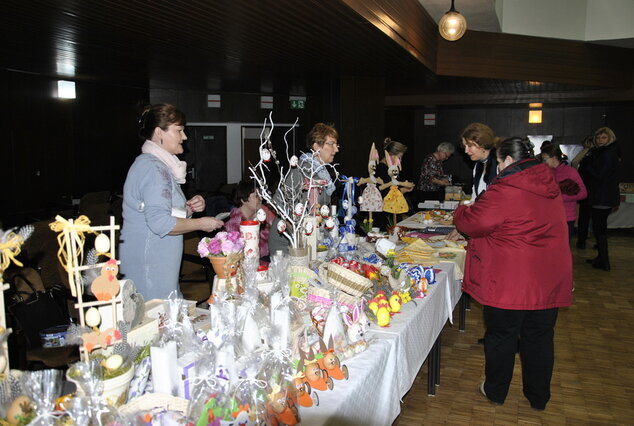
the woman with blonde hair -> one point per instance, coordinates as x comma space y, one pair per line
599, 170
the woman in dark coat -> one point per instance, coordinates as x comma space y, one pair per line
519, 267
600, 170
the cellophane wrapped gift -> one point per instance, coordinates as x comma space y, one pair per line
252, 322
86, 410
42, 388
89, 406
277, 373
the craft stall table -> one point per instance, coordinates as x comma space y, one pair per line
384, 373
417, 221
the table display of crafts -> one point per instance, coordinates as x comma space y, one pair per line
271, 341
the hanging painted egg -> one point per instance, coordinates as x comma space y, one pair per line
324, 211
261, 215
281, 226
265, 154
360, 201
344, 204
102, 243
330, 223
299, 209
293, 161
308, 228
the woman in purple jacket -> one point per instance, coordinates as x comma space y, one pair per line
570, 183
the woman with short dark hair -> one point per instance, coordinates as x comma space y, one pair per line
247, 202
519, 267
156, 213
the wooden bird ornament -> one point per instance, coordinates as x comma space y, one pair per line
106, 285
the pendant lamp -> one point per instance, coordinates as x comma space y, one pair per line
452, 25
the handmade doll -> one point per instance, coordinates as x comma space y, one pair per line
394, 202
371, 200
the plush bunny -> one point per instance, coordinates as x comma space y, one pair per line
357, 323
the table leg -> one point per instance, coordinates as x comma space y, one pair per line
431, 371
433, 368
437, 364
467, 301
463, 311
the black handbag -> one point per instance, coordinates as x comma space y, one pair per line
31, 310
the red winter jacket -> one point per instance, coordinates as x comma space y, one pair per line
518, 256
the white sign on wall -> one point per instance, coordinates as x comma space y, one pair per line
266, 102
213, 101
430, 119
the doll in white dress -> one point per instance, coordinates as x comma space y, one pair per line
371, 199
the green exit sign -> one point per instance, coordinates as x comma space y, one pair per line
297, 102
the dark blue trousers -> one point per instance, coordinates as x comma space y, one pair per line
535, 331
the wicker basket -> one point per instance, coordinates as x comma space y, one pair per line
321, 294
345, 280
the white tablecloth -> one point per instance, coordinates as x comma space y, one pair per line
623, 217
382, 375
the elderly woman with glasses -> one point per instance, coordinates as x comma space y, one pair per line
322, 143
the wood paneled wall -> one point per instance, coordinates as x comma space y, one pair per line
361, 122
568, 124
354, 105
55, 148
515, 57
405, 22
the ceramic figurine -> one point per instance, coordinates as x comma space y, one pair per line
383, 314
395, 302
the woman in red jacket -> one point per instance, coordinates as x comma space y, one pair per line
519, 267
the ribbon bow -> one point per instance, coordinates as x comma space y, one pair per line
9, 250
67, 230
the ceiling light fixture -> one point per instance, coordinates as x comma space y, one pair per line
535, 116
452, 25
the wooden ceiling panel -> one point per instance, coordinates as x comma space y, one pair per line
259, 46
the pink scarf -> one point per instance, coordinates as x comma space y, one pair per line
177, 167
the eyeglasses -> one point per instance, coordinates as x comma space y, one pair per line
335, 144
